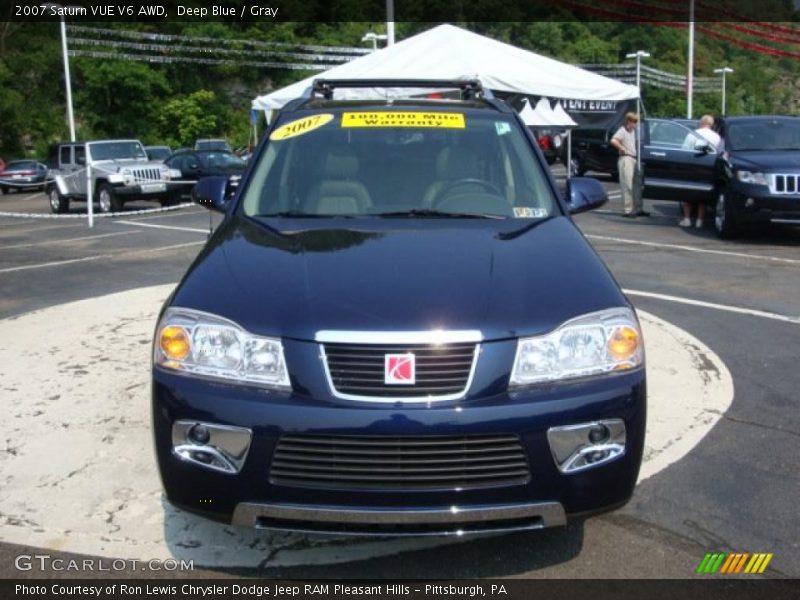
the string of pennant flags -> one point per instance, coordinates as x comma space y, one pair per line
163, 48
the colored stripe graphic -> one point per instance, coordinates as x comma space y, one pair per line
720, 562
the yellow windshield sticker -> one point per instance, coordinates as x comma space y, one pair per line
300, 126
446, 120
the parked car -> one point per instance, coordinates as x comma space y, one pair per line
22, 175
398, 328
550, 142
758, 176
213, 144
120, 172
158, 153
203, 163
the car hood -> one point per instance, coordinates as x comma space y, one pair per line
767, 161
114, 166
398, 275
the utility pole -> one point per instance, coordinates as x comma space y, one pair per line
690, 73
390, 22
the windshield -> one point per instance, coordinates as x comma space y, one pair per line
117, 150
212, 145
22, 165
395, 163
767, 134
221, 160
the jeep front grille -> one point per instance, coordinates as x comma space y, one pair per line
356, 371
142, 175
785, 184
399, 463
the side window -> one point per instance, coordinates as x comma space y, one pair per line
65, 155
667, 134
80, 155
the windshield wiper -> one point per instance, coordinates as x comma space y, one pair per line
431, 212
303, 215
510, 235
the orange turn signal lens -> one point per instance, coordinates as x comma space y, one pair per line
174, 342
624, 343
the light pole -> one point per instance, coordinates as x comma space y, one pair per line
373, 37
690, 63
390, 22
638, 55
724, 71
67, 79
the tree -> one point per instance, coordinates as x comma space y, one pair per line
183, 120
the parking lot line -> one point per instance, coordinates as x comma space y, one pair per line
174, 213
734, 309
57, 263
791, 261
9, 228
77, 239
140, 224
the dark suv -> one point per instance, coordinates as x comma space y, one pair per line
398, 328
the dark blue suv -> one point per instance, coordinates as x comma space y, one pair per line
397, 329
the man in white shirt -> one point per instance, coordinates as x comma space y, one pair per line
705, 131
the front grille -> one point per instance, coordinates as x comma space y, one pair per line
399, 463
786, 184
442, 371
140, 175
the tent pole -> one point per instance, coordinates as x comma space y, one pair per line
569, 154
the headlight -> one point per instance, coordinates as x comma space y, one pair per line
195, 342
173, 174
601, 342
752, 177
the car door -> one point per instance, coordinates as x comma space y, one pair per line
678, 163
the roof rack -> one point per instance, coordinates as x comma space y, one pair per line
470, 88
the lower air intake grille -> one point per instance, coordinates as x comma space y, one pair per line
399, 463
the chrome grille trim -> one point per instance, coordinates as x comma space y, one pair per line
399, 463
148, 174
784, 183
417, 392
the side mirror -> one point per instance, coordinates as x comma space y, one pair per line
585, 193
81, 160
212, 192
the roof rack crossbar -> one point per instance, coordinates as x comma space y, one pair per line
470, 88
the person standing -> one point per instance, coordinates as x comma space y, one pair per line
624, 140
704, 131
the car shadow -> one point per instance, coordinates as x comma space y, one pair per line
225, 549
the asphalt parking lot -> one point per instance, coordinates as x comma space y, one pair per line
735, 491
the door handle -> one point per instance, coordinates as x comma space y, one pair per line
658, 153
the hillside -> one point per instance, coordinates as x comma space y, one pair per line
173, 101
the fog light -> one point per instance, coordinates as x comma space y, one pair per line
598, 433
199, 434
217, 447
749, 203
586, 445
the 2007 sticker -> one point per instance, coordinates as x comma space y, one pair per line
300, 126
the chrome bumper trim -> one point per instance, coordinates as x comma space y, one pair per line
542, 514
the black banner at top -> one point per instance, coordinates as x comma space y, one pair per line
780, 18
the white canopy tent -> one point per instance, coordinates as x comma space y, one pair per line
447, 52
544, 116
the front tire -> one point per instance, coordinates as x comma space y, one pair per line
107, 199
58, 203
725, 219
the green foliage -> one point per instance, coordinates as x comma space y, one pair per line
183, 120
176, 103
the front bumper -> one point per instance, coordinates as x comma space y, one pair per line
251, 497
755, 204
147, 190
